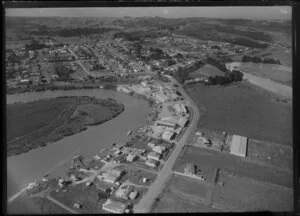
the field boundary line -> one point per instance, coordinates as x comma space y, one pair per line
260, 182
50, 198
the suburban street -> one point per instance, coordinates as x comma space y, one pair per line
80, 63
145, 204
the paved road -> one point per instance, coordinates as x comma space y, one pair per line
156, 188
125, 59
61, 205
80, 63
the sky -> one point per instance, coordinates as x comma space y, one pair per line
231, 12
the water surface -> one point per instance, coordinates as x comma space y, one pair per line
55, 157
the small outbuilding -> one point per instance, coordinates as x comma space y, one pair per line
168, 135
154, 155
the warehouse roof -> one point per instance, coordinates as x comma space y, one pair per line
114, 206
239, 145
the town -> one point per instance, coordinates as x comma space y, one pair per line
201, 139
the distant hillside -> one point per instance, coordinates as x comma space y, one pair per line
252, 33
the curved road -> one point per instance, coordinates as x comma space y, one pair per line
146, 203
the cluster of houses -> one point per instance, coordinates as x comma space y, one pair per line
184, 65
59, 54
83, 51
126, 192
111, 176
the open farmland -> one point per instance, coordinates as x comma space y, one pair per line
279, 73
206, 71
48, 207
235, 164
189, 192
240, 109
174, 203
87, 196
209, 173
281, 156
239, 194
189, 188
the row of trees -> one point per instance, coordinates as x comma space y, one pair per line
182, 74
218, 64
229, 77
257, 59
63, 71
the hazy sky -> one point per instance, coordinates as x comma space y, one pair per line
261, 12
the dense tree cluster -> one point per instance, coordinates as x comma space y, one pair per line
257, 59
229, 77
218, 64
157, 54
126, 36
247, 42
67, 32
63, 71
216, 47
182, 73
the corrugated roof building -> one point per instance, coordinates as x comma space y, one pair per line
182, 122
114, 206
168, 135
189, 169
154, 155
238, 145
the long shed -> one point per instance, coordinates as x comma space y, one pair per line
238, 145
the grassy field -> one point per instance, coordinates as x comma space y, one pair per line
281, 156
240, 167
87, 196
208, 172
136, 175
240, 109
35, 124
48, 207
277, 73
206, 71
174, 203
189, 189
239, 194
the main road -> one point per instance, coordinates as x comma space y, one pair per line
146, 203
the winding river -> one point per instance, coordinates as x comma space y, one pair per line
55, 158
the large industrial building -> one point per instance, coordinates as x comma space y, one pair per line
114, 206
238, 145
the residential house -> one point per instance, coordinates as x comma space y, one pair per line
131, 157
153, 155
190, 169
168, 135
159, 149
152, 163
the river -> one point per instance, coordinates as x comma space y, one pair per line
55, 157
